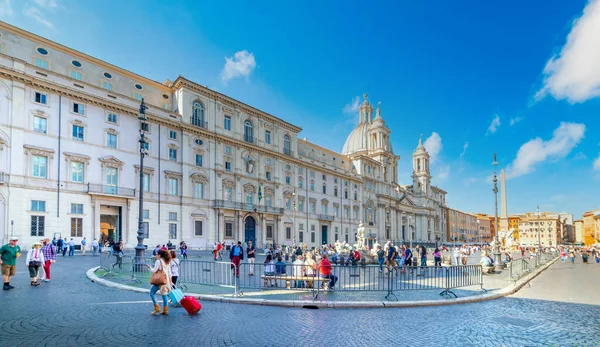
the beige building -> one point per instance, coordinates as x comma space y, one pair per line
591, 227
462, 227
484, 225
547, 224
578, 231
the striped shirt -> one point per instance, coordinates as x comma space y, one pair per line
49, 252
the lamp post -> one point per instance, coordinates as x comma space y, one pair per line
411, 230
294, 214
478, 232
139, 249
454, 234
538, 231
497, 252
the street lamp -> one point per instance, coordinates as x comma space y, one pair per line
411, 229
454, 234
294, 213
479, 232
538, 230
139, 249
497, 252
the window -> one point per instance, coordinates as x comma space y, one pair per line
172, 154
267, 137
335, 180
40, 124
146, 228
288, 204
76, 63
229, 230
199, 190
198, 159
250, 198
198, 114
323, 209
173, 186
39, 62
76, 75
287, 145
300, 236
138, 96
227, 123
111, 118
324, 189
42, 51
269, 232
312, 186
336, 211
76, 227
268, 174
111, 180
173, 134
107, 85
78, 108
40, 166
107, 75
146, 214
228, 194
301, 206
145, 127
38, 206
355, 196
269, 201
198, 228
288, 233
111, 140
172, 216
228, 149
324, 177
227, 166
172, 231
335, 191
146, 182
312, 237
77, 133
312, 174
288, 179
37, 225
77, 172
248, 132
355, 214
300, 182
166, 106
346, 194
312, 207
198, 142
138, 86
41, 98
347, 212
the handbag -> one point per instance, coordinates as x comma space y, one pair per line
159, 278
35, 263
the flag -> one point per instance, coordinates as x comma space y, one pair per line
259, 194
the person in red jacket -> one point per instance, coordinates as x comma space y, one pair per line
325, 271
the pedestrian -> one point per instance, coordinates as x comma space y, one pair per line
220, 247
174, 267
35, 259
572, 255
563, 255
8, 259
423, 256
162, 264
49, 258
71, 248
409, 259
215, 251
237, 255
183, 250
155, 251
584, 256
95, 246
118, 252
437, 257
164, 248
83, 245
380, 257
325, 271
169, 245
298, 270
269, 270
65, 246
456, 255
391, 258
251, 256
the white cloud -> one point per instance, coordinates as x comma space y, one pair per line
433, 145
574, 73
494, 125
443, 173
597, 163
465, 146
353, 106
515, 120
240, 65
36, 15
6, 9
580, 156
536, 151
47, 4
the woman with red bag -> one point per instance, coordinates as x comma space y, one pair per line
161, 280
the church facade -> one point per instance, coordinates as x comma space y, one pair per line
216, 169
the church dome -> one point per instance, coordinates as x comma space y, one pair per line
357, 141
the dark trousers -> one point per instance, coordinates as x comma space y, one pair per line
64, 251
236, 262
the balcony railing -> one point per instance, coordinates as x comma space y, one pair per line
249, 138
110, 190
288, 152
234, 205
198, 122
3, 177
325, 217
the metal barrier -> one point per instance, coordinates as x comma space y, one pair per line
517, 268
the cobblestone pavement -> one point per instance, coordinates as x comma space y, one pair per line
559, 309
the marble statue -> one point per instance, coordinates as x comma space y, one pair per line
360, 236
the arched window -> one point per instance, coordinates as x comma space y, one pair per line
198, 114
287, 145
248, 137
300, 182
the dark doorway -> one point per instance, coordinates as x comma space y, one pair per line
250, 230
323, 234
403, 233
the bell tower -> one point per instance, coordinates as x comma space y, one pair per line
421, 176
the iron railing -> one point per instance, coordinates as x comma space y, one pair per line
110, 190
198, 122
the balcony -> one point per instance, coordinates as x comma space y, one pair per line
325, 217
248, 138
198, 122
233, 205
288, 152
4, 177
110, 190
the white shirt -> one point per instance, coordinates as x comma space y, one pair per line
174, 267
94, 243
297, 267
34, 255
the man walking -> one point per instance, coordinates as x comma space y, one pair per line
49, 258
71, 248
8, 259
236, 255
65, 245
83, 245
95, 246
251, 256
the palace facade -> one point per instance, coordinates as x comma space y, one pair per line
216, 169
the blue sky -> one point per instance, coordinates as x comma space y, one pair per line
521, 78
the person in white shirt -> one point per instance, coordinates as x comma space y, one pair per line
163, 258
35, 259
83, 245
95, 246
174, 267
298, 270
456, 256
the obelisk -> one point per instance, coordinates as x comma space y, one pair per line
503, 222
